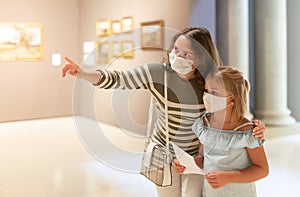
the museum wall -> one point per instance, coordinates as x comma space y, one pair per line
35, 89
124, 108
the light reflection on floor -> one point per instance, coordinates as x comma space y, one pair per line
46, 158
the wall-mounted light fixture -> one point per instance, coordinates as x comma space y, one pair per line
89, 53
56, 59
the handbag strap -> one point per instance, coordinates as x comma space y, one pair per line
166, 111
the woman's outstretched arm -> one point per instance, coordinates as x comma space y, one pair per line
73, 69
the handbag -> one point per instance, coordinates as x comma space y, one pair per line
156, 162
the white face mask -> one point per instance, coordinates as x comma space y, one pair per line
214, 103
180, 65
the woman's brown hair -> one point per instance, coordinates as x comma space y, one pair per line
204, 48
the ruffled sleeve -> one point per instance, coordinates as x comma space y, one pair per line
224, 139
198, 126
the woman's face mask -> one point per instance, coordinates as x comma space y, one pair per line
180, 65
214, 103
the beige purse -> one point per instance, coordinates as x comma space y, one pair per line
156, 162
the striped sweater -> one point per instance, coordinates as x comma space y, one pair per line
184, 103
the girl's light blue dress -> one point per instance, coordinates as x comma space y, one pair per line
226, 150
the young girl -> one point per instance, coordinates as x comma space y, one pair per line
233, 158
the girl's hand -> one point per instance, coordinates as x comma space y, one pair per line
259, 129
70, 68
178, 168
217, 179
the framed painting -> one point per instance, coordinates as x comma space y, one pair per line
21, 41
127, 49
116, 49
102, 52
127, 24
152, 35
103, 27
116, 27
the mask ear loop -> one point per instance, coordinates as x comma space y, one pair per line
232, 101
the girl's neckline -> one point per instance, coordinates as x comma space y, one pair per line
226, 130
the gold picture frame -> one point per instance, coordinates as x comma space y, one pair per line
116, 27
152, 35
103, 52
127, 24
116, 49
103, 27
21, 41
127, 49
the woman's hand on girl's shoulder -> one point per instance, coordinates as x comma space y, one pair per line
259, 129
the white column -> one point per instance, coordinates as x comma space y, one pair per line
270, 32
233, 34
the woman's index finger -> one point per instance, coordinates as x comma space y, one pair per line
69, 60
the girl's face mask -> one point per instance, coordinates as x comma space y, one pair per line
180, 65
214, 103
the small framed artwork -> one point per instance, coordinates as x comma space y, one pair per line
127, 24
152, 35
103, 27
102, 52
21, 41
116, 27
127, 49
116, 49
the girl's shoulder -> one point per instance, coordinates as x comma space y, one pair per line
244, 125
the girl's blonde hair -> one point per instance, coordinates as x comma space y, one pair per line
233, 82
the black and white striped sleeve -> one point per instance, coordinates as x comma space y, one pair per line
137, 78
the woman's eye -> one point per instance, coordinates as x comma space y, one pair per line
214, 93
186, 55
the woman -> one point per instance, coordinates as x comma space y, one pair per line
191, 56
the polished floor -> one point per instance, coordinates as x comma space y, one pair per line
59, 158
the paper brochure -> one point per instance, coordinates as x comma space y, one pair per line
187, 160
